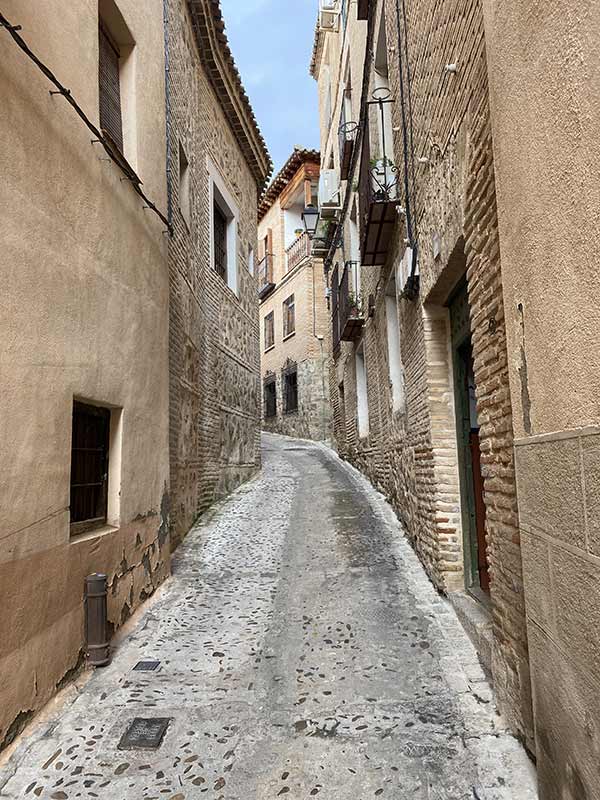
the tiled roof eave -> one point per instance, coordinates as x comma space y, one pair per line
225, 79
299, 157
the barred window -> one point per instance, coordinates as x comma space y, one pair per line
89, 467
270, 394
269, 330
289, 316
111, 120
290, 389
220, 241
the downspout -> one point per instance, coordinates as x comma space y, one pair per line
168, 113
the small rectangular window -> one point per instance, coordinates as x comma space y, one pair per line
184, 187
289, 316
290, 389
251, 260
269, 330
89, 467
220, 241
111, 121
270, 394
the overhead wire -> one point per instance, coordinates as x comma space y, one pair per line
112, 153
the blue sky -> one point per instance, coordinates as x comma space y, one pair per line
272, 42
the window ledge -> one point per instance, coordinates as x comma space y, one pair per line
94, 533
289, 336
226, 286
268, 349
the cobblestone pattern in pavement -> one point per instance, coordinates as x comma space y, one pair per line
303, 653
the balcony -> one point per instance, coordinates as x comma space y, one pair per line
329, 15
379, 194
327, 232
347, 136
265, 276
298, 251
347, 314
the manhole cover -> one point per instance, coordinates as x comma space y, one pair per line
147, 666
144, 734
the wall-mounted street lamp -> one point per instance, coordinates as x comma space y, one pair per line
310, 218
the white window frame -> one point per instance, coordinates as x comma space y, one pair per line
362, 398
219, 193
395, 366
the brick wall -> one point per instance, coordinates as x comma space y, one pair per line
482, 247
214, 359
411, 455
308, 347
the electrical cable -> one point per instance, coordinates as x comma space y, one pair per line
114, 155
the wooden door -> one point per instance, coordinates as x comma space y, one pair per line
471, 479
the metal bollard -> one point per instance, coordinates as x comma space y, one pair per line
98, 647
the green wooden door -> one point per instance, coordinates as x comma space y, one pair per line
467, 427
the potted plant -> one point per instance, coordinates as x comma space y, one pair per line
355, 304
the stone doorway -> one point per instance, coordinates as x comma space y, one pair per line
477, 579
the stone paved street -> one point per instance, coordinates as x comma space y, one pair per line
302, 653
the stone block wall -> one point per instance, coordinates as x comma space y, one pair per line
214, 357
312, 420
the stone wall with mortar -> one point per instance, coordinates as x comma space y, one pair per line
308, 347
411, 454
213, 344
85, 315
544, 65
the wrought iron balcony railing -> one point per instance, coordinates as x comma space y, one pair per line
298, 251
264, 272
347, 136
379, 193
347, 312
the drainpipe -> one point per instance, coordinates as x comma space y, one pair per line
168, 112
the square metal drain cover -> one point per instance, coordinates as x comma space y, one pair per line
144, 734
147, 666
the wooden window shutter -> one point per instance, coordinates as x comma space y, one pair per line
110, 89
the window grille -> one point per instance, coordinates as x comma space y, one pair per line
111, 120
220, 242
270, 393
289, 316
269, 330
290, 388
89, 467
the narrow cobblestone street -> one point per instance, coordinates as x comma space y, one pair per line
302, 653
